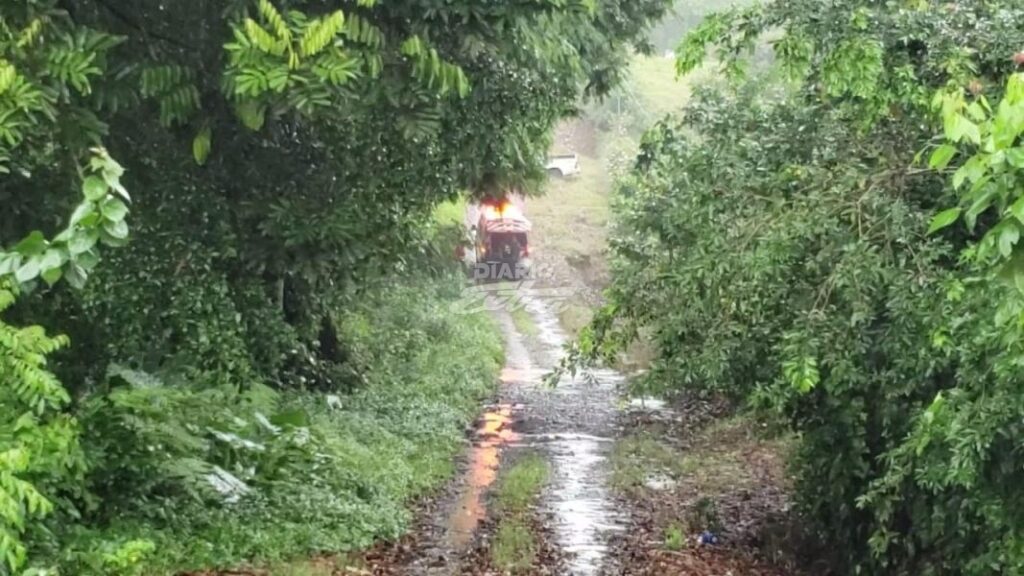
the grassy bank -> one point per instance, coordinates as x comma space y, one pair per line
317, 473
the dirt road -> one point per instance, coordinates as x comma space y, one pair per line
571, 425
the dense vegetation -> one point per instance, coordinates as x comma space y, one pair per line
221, 207
837, 244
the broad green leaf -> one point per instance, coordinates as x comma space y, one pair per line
113, 180
961, 128
52, 275
76, 276
941, 157
83, 241
81, 211
94, 188
1017, 209
982, 203
34, 243
972, 170
1009, 234
201, 145
117, 230
943, 219
54, 258
9, 262
87, 260
1015, 156
29, 270
114, 209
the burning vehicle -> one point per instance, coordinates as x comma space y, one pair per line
500, 235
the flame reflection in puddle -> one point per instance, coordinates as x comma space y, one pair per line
492, 435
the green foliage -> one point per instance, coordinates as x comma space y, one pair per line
781, 247
521, 484
514, 547
990, 178
675, 538
210, 474
684, 17
38, 443
98, 219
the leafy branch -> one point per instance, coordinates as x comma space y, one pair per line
99, 218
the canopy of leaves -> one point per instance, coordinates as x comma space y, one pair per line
279, 155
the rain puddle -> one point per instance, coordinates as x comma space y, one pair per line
647, 403
492, 434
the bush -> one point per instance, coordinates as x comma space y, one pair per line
786, 271
777, 247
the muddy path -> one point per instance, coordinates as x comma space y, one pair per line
571, 425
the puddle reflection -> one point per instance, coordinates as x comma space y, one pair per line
492, 435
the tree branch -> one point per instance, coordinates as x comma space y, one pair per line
131, 22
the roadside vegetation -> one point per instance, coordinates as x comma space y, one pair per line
706, 476
299, 473
230, 325
834, 243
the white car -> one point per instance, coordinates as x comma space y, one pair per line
564, 165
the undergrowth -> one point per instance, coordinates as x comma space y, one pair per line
217, 477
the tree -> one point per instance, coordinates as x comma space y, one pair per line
776, 244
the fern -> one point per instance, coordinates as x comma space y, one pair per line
174, 90
428, 67
293, 59
359, 29
30, 34
337, 68
263, 39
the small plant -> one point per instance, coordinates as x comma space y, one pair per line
126, 559
38, 442
704, 516
675, 538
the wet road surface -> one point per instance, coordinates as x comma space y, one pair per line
572, 425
